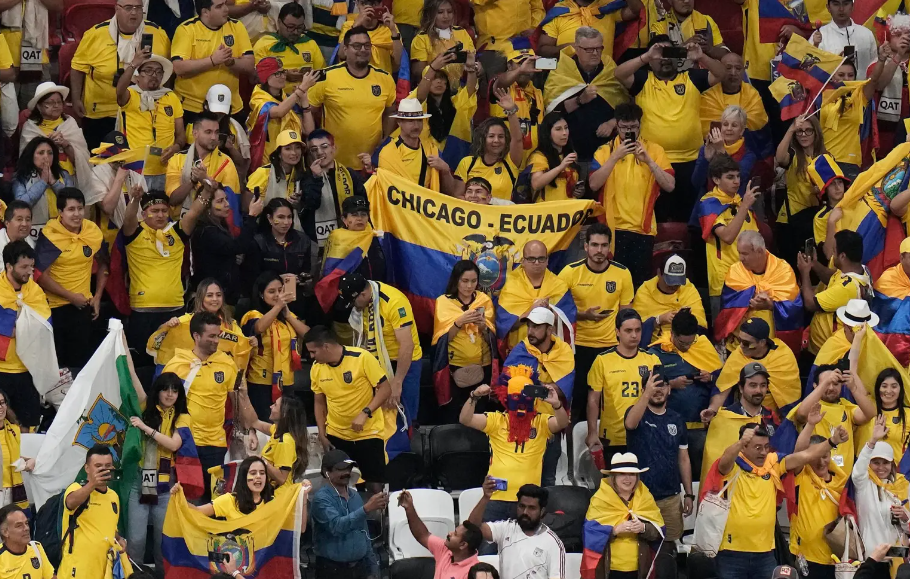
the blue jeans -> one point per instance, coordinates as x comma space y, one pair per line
496, 511
140, 515
742, 565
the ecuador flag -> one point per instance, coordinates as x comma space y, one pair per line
809, 66
266, 542
345, 250
892, 304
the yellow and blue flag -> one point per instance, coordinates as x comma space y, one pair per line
811, 67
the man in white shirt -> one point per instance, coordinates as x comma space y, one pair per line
17, 224
528, 549
842, 32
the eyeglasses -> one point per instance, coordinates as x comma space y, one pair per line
541, 259
130, 9
805, 132
293, 29
152, 72
316, 148
360, 46
3, 403
626, 128
591, 49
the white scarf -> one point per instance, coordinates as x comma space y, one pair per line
147, 100
257, 24
31, 19
195, 366
361, 337
327, 212
889, 107
85, 180
126, 49
241, 139
104, 174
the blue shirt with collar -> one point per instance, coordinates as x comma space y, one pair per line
340, 531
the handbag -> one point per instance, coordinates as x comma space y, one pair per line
468, 376
837, 535
712, 519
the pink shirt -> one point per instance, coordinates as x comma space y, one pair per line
445, 568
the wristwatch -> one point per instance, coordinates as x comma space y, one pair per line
368, 412
688, 496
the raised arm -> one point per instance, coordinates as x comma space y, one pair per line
625, 72
866, 410
798, 460
467, 417
635, 414
131, 216
728, 458
728, 233
813, 398
418, 529
476, 516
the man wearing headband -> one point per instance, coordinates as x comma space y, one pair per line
154, 254
151, 113
479, 190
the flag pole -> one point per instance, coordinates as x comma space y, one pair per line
842, 61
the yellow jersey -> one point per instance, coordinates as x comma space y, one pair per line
9, 469
833, 415
72, 268
497, 21
425, 49
841, 130
898, 431
381, 40
349, 387
753, 511
620, 381
610, 289
154, 128
563, 28
30, 564
206, 395
226, 507
395, 311
96, 524
278, 340
464, 349
694, 23
155, 262
529, 100
6, 57
671, 103
396, 153
756, 54
651, 302
170, 422
501, 174
96, 57
281, 452
519, 464
408, 12
800, 193
560, 188
721, 255
218, 165
194, 40
818, 502
303, 55
353, 109
840, 289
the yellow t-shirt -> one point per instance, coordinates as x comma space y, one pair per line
800, 193
714, 101
753, 510
96, 524
672, 103
529, 101
218, 166
352, 109
308, 56
407, 12
462, 351
262, 363
395, 311
414, 161
424, 50
13, 38
817, 508
898, 433
381, 39
8, 458
651, 302
695, 23
73, 268
497, 21
349, 387
194, 40
557, 190
154, 128
22, 566
281, 452
6, 57
96, 57
842, 130
630, 185
757, 54
207, 395
609, 290
519, 464
155, 279
841, 288
820, 225
834, 415
620, 382
501, 175
226, 507
563, 28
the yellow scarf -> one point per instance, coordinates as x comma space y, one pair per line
448, 310
32, 295
835, 486
65, 240
391, 160
518, 294
701, 354
735, 147
607, 508
558, 362
567, 76
769, 469
898, 487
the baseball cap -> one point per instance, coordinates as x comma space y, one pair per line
355, 203
882, 450
675, 271
757, 328
336, 457
218, 98
784, 572
541, 316
287, 137
519, 54
350, 286
753, 369
905, 246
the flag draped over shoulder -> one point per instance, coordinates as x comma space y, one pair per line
345, 250
606, 511
722, 432
447, 312
266, 542
589, 15
566, 81
700, 355
784, 388
32, 296
434, 230
96, 410
779, 283
808, 65
559, 363
892, 304
518, 295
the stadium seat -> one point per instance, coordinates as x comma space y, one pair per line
80, 16
586, 474
459, 456
437, 511
490, 560
65, 62
566, 508
573, 566
562, 467
467, 500
417, 568
406, 471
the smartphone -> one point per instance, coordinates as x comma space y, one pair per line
897, 552
690, 376
461, 56
849, 51
715, 125
605, 312
290, 286
810, 247
320, 75
532, 391
630, 136
480, 310
674, 52
756, 183
501, 483
222, 140
545, 64
146, 42
843, 364
256, 194
658, 371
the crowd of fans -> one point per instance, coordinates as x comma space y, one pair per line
193, 187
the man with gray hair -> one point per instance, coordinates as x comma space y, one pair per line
761, 286
589, 112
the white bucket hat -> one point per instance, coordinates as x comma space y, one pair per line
46, 88
624, 463
856, 313
165, 65
410, 109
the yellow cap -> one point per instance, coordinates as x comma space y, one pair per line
905, 245
287, 137
519, 54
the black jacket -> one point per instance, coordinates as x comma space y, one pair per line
312, 198
215, 253
267, 255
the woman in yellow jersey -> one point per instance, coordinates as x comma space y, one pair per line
283, 176
252, 489
165, 426
890, 403
13, 490
554, 172
276, 327
38, 177
801, 143
464, 321
47, 118
286, 453
842, 118
496, 151
728, 138
438, 33
175, 333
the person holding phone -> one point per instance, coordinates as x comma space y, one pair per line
842, 118
733, 91
554, 167
567, 16
438, 34
516, 79
841, 35
385, 38
298, 52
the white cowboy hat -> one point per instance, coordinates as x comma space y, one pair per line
856, 313
46, 88
410, 109
165, 64
624, 463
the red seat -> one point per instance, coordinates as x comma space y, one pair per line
673, 231
80, 16
65, 61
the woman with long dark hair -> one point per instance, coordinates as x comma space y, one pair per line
451, 111
463, 330
272, 364
286, 453
438, 33
554, 171
165, 425
252, 489
279, 248
890, 403
38, 178
283, 177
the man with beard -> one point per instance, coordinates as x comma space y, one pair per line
412, 157
617, 375
341, 538
527, 97
527, 547
732, 91
658, 435
456, 554
600, 288
298, 52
